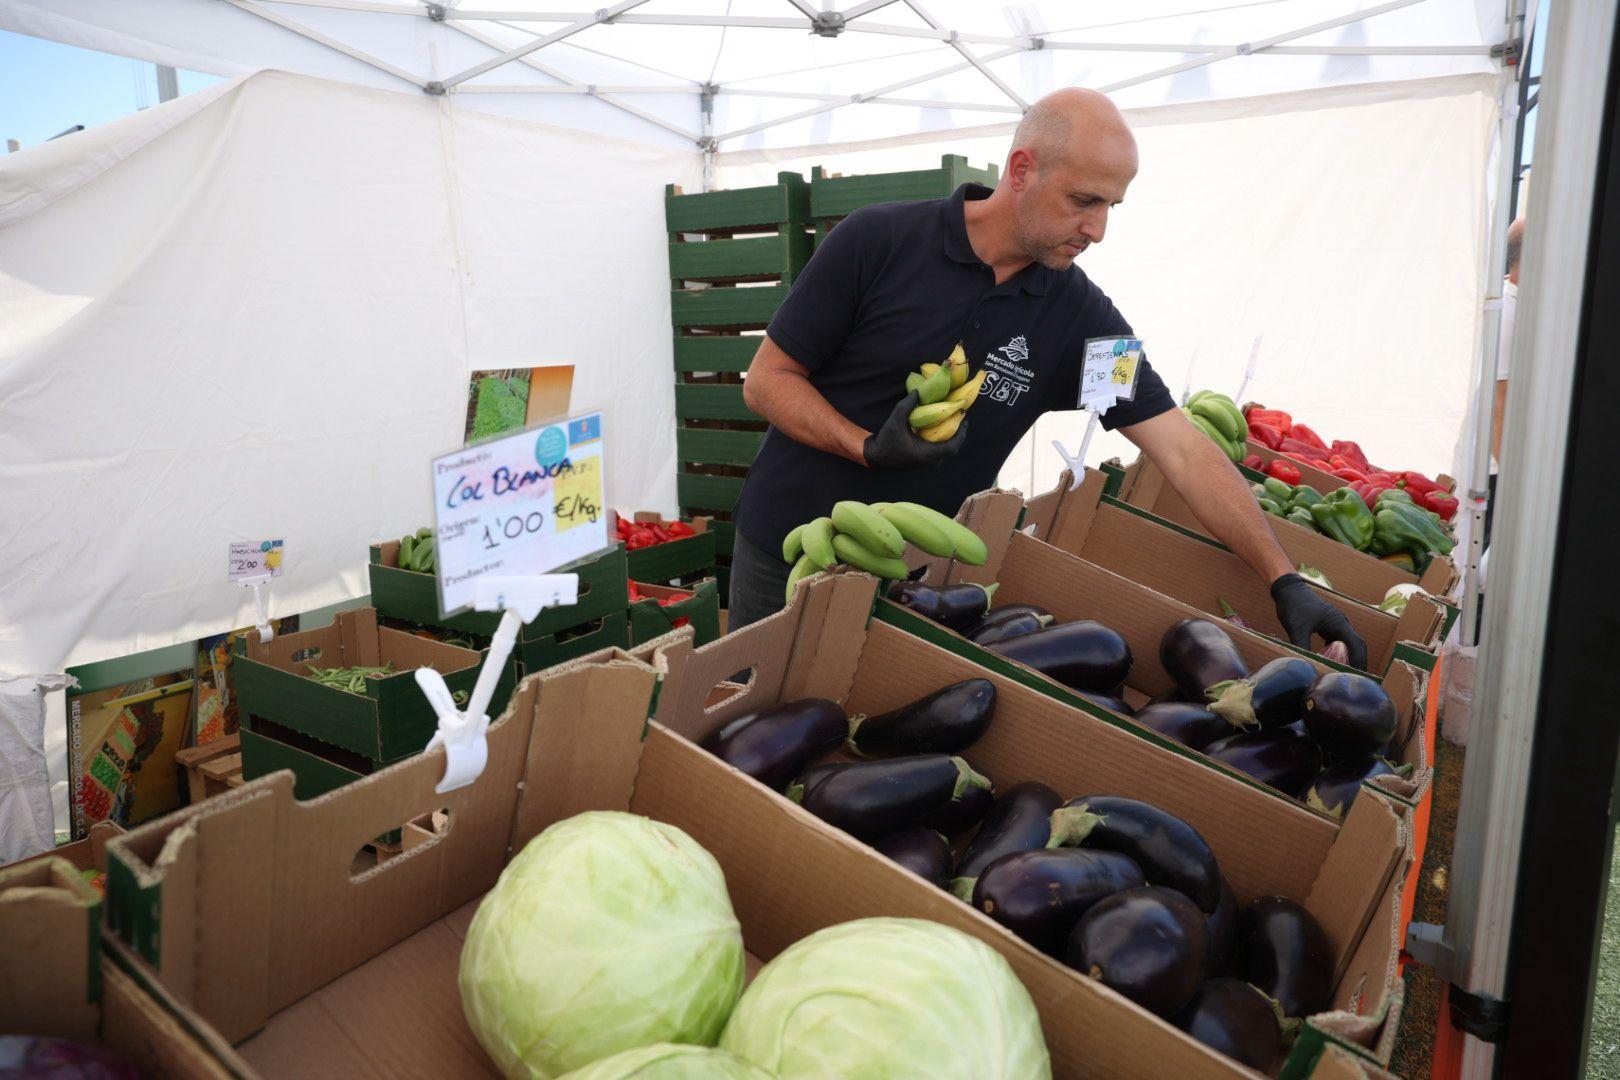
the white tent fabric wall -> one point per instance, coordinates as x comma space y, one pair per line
1344, 226
261, 322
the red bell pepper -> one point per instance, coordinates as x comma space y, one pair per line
659, 531
1255, 462
625, 529
1284, 471
1369, 490
640, 538
1310, 451
1265, 434
1441, 502
1272, 418
635, 593
1351, 475
680, 530
1351, 453
1306, 435
1418, 484
1386, 478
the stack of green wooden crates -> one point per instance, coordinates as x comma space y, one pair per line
732, 256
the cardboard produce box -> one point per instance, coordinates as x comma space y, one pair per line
650, 619
1350, 876
1201, 572
246, 918
55, 979
1033, 572
391, 720
1354, 573
689, 557
414, 597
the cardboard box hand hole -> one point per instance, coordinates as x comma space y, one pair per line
1350, 876
414, 837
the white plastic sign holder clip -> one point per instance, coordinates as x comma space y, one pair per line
1077, 462
463, 734
260, 584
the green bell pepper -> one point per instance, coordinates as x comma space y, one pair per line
1343, 516
1400, 527
1259, 491
1299, 515
1277, 491
1270, 507
1395, 495
1304, 498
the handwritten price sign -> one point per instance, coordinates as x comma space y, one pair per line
527, 503
1109, 374
253, 558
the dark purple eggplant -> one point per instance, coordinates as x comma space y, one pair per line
1222, 932
1109, 701
959, 607
774, 744
1189, 725
1336, 786
1233, 1018
1172, 695
1146, 943
1197, 654
989, 633
1013, 611
1282, 759
1040, 895
1284, 953
960, 815
871, 798
1169, 851
1020, 820
921, 850
811, 777
1349, 715
947, 721
1271, 698
1084, 655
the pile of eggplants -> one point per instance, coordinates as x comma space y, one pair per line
1314, 736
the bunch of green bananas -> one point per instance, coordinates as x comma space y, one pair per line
351, 679
1218, 416
417, 552
944, 394
873, 538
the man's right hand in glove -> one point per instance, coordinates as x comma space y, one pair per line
896, 446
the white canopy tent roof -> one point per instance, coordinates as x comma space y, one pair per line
1314, 170
747, 74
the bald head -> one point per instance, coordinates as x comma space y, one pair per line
1072, 158
1515, 248
1071, 122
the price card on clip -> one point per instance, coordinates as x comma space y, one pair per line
1109, 373
254, 558
526, 503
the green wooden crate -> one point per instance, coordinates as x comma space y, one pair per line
694, 401
839, 196
725, 534
708, 492
314, 774
688, 557
648, 619
756, 258
391, 720
414, 597
742, 306
708, 447
610, 631
724, 212
715, 352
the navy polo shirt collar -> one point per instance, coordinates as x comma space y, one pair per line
1033, 279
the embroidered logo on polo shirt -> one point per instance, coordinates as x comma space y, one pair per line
1006, 378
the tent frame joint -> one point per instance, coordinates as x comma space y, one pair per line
827, 24
434, 88
1506, 51
436, 12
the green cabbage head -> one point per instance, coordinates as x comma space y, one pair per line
671, 1061
607, 932
889, 999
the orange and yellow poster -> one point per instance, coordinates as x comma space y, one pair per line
121, 747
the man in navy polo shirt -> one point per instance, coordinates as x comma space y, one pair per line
899, 284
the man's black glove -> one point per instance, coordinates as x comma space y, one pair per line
896, 446
1303, 613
